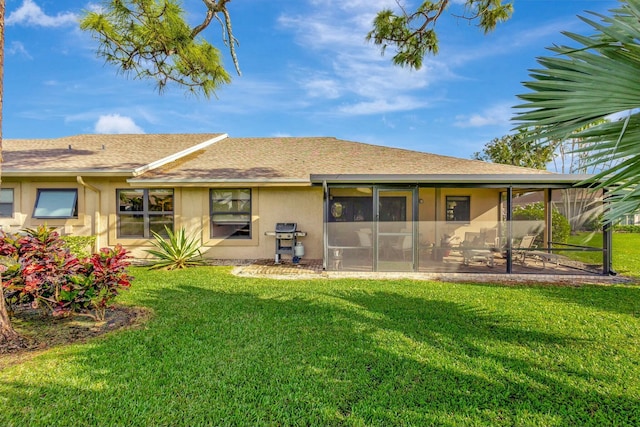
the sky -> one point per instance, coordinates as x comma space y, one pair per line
307, 70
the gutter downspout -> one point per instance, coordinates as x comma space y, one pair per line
96, 218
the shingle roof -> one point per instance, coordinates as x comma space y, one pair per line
295, 159
233, 159
93, 153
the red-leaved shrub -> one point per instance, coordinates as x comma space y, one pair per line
45, 273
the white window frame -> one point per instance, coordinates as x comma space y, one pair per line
62, 212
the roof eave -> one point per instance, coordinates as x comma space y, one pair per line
480, 179
197, 182
71, 173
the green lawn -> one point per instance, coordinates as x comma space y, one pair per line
626, 251
223, 350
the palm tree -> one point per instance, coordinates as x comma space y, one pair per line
595, 80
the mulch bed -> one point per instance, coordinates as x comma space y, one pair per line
39, 332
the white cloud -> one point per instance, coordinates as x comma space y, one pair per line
508, 41
31, 14
388, 123
322, 88
380, 106
353, 70
254, 94
17, 48
115, 123
95, 7
496, 115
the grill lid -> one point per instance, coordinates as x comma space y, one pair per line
286, 227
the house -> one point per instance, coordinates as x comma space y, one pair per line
358, 207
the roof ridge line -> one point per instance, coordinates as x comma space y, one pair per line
161, 162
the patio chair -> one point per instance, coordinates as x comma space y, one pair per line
404, 246
474, 248
523, 250
364, 237
364, 241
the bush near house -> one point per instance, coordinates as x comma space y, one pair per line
41, 270
80, 246
560, 227
626, 228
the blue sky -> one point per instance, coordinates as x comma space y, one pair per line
306, 71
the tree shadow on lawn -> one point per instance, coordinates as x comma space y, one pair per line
514, 358
252, 358
619, 299
616, 298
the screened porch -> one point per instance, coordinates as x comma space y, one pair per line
549, 228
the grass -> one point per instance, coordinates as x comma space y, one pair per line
223, 350
626, 251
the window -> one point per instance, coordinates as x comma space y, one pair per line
350, 209
56, 203
393, 209
459, 208
360, 209
231, 213
141, 211
6, 203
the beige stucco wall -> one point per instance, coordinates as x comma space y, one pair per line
303, 205
24, 193
269, 206
433, 225
97, 216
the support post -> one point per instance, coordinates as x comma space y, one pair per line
607, 243
509, 230
325, 224
548, 220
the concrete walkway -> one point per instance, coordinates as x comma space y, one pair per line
312, 269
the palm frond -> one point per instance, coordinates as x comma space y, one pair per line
594, 80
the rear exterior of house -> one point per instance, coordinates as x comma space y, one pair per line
361, 207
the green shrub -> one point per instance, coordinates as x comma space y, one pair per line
80, 246
594, 224
626, 228
560, 227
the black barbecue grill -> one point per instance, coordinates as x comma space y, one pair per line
286, 234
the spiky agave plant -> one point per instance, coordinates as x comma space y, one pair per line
177, 251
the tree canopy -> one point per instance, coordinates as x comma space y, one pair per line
151, 39
413, 32
517, 150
